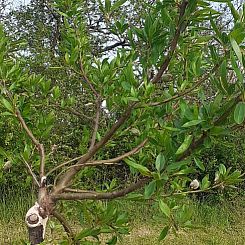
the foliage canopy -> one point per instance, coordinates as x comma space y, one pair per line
149, 89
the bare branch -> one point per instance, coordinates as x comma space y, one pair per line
35, 142
127, 154
100, 195
64, 223
63, 164
174, 42
96, 124
95, 164
78, 190
193, 191
68, 176
31, 172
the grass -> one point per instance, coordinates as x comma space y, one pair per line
219, 223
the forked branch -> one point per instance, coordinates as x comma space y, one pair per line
35, 142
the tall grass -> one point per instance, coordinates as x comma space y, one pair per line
13, 207
222, 223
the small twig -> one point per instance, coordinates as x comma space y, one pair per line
63, 164
31, 172
73, 111
95, 164
96, 124
78, 191
119, 158
192, 191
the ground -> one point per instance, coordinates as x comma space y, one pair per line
217, 224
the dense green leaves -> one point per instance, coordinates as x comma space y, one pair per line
86, 88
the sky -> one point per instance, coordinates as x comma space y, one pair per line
19, 2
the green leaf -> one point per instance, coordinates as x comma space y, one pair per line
142, 169
222, 169
6, 113
215, 28
88, 232
205, 182
164, 208
117, 4
150, 189
7, 105
112, 241
239, 113
171, 129
185, 145
237, 49
223, 72
164, 233
234, 12
199, 164
160, 162
107, 5
192, 123
236, 68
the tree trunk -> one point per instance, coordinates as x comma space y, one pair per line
36, 223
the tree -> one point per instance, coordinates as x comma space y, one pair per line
167, 95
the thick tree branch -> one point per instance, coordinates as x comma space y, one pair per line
101, 196
174, 42
66, 179
35, 142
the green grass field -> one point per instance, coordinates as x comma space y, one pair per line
222, 224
